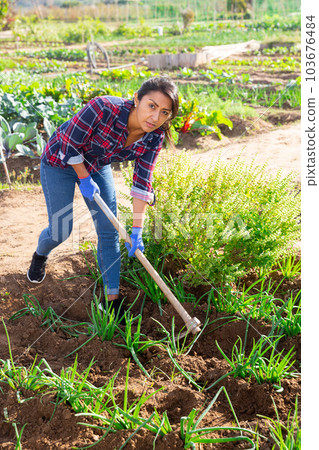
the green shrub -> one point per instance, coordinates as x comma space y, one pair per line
126, 30
188, 16
222, 220
85, 30
7, 63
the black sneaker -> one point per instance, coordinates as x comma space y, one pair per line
36, 272
116, 305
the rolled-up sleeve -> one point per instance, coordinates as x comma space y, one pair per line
142, 177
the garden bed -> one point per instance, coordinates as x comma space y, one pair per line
49, 426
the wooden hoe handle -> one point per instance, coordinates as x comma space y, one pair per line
192, 324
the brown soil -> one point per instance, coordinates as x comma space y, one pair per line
51, 426
54, 425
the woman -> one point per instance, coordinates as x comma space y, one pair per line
80, 152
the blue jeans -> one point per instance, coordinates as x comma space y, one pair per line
58, 186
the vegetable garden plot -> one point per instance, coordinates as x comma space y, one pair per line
176, 394
183, 373
63, 385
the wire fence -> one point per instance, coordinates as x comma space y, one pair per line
120, 11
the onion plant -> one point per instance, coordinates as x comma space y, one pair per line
192, 434
134, 409
179, 343
290, 267
14, 424
74, 388
186, 374
32, 307
128, 417
142, 280
287, 436
104, 324
177, 287
70, 386
94, 270
135, 341
287, 320
272, 368
50, 318
257, 301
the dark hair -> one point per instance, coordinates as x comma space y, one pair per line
167, 87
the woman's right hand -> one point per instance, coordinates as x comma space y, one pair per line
88, 187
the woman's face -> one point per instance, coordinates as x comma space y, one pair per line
152, 110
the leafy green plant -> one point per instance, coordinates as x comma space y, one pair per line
219, 75
126, 74
43, 66
84, 31
66, 54
221, 221
7, 63
19, 137
192, 117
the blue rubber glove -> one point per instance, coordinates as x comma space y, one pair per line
137, 241
88, 187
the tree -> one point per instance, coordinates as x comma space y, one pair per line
4, 6
188, 17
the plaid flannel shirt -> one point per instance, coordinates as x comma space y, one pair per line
96, 135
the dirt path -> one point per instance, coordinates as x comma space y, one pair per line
23, 216
279, 148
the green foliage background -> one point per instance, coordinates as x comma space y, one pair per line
223, 220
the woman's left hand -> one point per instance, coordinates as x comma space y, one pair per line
137, 241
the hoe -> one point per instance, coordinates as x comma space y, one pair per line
192, 324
